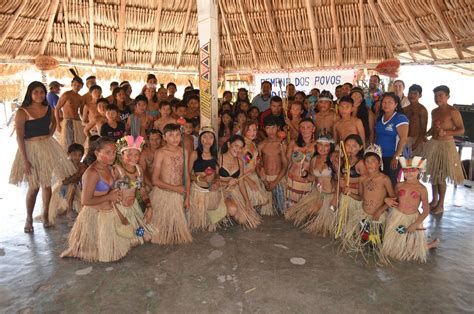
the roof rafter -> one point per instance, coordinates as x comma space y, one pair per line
400, 35
388, 45
229, 38
183, 35
66, 30
155, 33
91, 31
12, 21
335, 29
417, 28
273, 30
121, 32
243, 12
25, 38
53, 8
445, 28
363, 39
314, 34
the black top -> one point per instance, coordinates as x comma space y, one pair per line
352, 171
225, 174
38, 127
125, 113
115, 133
200, 165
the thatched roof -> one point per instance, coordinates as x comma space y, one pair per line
255, 34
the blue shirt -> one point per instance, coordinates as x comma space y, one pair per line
52, 99
261, 103
387, 135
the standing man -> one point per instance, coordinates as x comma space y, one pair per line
90, 81
262, 100
418, 120
113, 86
373, 98
70, 103
53, 94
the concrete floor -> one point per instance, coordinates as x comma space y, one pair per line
232, 271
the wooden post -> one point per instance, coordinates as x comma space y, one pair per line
208, 60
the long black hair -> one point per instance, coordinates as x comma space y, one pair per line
28, 100
328, 162
232, 139
96, 143
214, 148
363, 113
299, 141
358, 140
394, 96
222, 126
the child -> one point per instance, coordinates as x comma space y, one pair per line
241, 118
253, 113
365, 115
66, 196
112, 128
96, 120
367, 223
255, 188
165, 118
234, 191
325, 118
152, 108
193, 112
352, 169
417, 121
147, 157
272, 169
129, 179
94, 236
296, 111
170, 194
404, 236
90, 108
204, 175
226, 127
348, 124
188, 133
180, 110
139, 122
443, 160
299, 153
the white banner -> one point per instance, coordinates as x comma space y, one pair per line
303, 81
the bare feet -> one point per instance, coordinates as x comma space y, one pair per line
434, 244
46, 223
433, 204
28, 226
70, 214
437, 210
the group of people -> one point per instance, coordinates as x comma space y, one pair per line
145, 170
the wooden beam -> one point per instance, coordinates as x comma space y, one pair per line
53, 8
336, 33
273, 30
444, 25
66, 30
25, 37
314, 34
121, 33
183, 34
12, 20
155, 33
418, 29
91, 31
229, 37
388, 45
397, 30
363, 39
243, 12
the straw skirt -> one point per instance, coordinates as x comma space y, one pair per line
305, 209
169, 219
59, 200
276, 197
72, 131
201, 200
443, 162
255, 190
135, 218
348, 207
324, 223
94, 238
247, 217
406, 246
49, 164
297, 190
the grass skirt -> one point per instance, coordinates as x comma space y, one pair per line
305, 209
49, 163
364, 235
72, 131
59, 200
443, 163
256, 190
407, 246
420, 149
135, 216
348, 207
277, 200
297, 190
169, 219
93, 237
247, 217
325, 222
201, 201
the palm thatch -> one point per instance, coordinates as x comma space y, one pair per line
254, 34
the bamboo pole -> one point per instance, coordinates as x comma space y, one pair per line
183, 34
388, 45
314, 34
12, 21
363, 39
243, 12
229, 37
336, 33
91, 31
53, 8
66, 30
121, 32
154, 48
445, 27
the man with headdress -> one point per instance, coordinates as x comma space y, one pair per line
70, 103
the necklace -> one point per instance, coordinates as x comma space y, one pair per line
130, 172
